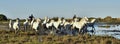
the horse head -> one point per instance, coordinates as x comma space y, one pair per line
17, 20
85, 19
38, 20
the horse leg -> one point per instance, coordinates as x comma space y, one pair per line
36, 30
10, 29
85, 29
15, 31
24, 27
94, 30
31, 27
80, 31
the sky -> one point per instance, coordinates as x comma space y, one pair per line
59, 8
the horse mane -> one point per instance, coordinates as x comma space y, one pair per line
82, 19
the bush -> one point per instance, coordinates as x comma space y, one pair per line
2, 17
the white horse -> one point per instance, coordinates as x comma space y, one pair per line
57, 23
36, 24
46, 20
25, 24
31, 23
10, 24
50, 24
16, 25
80, 24
66, 23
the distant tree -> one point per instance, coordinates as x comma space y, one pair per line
2, 17
92, 18
108, 18
99, 19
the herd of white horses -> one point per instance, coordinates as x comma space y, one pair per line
51, 24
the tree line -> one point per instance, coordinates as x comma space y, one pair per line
107, 19
3, 17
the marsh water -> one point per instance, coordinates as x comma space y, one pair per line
107, 30
100, 30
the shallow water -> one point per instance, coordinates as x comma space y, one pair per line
113, 30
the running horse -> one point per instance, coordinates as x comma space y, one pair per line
81, 25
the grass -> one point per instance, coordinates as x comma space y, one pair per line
30, 37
